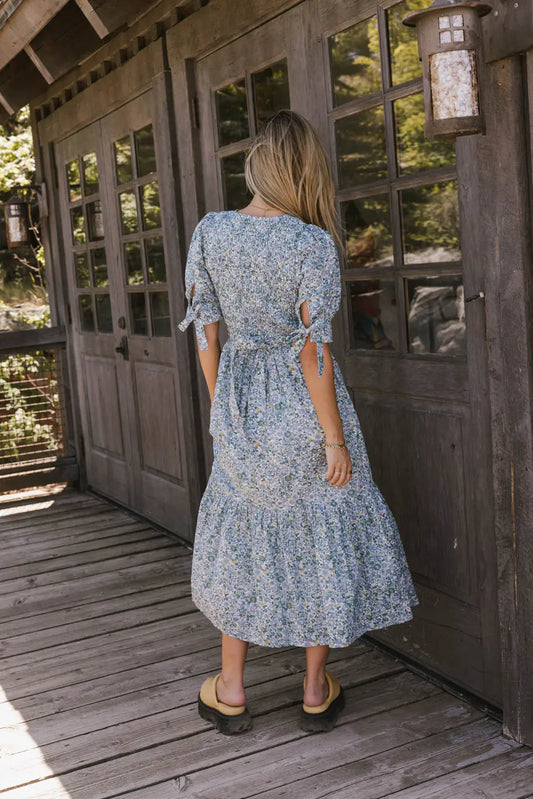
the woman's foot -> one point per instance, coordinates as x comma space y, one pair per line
230, 693
315, 692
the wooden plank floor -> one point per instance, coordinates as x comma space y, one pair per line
103, 653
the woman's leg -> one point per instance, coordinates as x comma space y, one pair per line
316, 687
230, 687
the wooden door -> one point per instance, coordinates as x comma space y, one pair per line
409, 342
134, 414
412, 331
92, 310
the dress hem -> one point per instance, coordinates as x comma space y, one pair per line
333, 643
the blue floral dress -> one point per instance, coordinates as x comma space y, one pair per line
281, 557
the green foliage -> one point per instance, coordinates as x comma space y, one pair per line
22, 272
17, 164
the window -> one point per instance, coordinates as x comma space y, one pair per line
397, 192
242, 108
143, 252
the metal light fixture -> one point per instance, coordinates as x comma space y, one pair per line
17, 216
450, 46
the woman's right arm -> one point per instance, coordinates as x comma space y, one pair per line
323, 396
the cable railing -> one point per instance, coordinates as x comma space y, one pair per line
33, 412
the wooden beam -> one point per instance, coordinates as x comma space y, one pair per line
47, 75
508, 29
65, 41
114, 14
87, 7
25, 23
26, 340
20, 82
499, 182
9, 108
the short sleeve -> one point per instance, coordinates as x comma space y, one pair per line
203, 307
320, 285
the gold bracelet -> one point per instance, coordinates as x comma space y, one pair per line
334, 444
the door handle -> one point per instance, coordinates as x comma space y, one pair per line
123, 348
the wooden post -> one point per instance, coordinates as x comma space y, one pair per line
501, 178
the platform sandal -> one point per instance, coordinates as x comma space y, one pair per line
322, 718
228, 719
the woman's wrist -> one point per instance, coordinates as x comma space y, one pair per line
334, 433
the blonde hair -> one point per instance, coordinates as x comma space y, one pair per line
287, 165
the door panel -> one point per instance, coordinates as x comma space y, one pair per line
137, 407
93, 308
404, 324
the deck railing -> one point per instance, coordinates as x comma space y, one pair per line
34, 417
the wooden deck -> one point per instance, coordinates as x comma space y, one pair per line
103, 653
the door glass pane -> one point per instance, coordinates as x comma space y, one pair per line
232, 113
90, 173
145, 150
430, 223
155, 260
368, 232
86, 312
270, 91
361, 151
414, 151
151, 210
403, 47
160, 313
95, 219
374, 314
236, 195
73, 180
132, 259
81, 269
123, 166
77, 224
139, 325
99, 267
355, 62
103, 313
436, 314
128, 211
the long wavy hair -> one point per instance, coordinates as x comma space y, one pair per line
287, 165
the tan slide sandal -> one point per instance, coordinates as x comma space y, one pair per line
322, 718
228, 719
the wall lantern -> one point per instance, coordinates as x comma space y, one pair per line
450, 46
17, 216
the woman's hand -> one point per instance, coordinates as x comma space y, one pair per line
339, 466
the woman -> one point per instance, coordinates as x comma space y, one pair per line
294, 544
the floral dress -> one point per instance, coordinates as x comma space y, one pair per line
281, 557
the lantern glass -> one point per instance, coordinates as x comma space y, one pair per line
16, 216
454, 83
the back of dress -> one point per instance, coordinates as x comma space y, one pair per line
281, 556
256, 271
